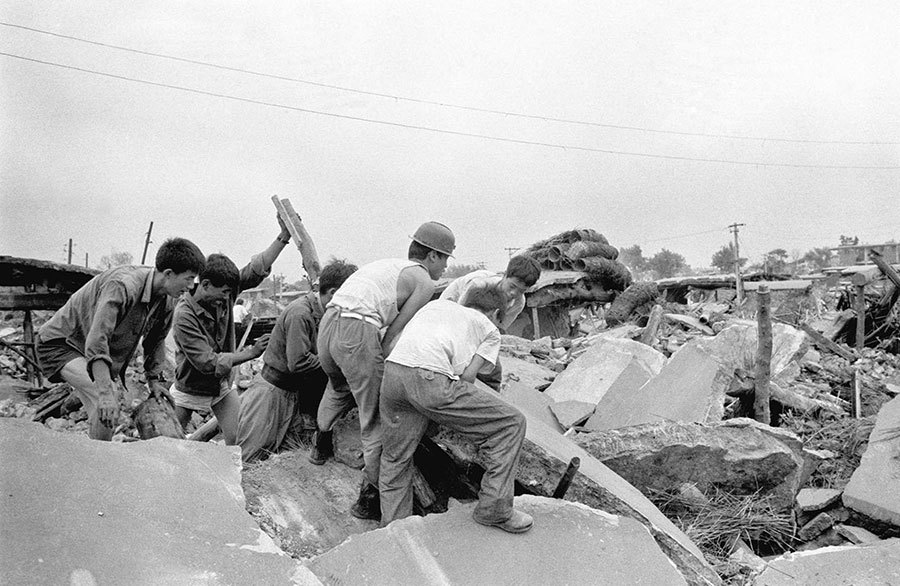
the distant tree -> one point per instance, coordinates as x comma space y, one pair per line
454, 271
116, 259
776, 260
666, 263
818, 258
723, 259
849, 240
633, 258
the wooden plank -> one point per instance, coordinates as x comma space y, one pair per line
301, 238
826, 344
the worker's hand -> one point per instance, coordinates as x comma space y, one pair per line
259, 346
161, 392
285, 233
107, 404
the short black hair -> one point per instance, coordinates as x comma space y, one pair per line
486, 298
335, 273
417, 251
221, 271
524, 267
180, 255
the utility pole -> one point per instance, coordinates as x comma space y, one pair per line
70, 251
510, 250
146, 244
739, 286
86, 260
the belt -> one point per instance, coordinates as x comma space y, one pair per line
359, 316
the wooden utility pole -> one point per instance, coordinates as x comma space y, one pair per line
510, 250
147, 244
70, 251
739, 286
763, 356
859, 305
301, 238
86, 260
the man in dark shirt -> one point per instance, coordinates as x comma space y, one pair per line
203, 328
291, 382
91, 339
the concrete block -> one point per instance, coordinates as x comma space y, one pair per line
819, 524
856, 535
810, 500
531, 401
590, 376
571, 413
632, 378
570, 543
690, 388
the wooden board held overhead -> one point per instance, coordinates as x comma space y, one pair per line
301, 237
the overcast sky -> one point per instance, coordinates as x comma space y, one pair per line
655, 123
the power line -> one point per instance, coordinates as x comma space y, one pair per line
448, 104
450, 132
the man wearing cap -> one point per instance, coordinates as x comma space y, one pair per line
359, 329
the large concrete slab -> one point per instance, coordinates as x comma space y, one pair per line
590, 376
735, 346
529, 400
163, 511
569, 544
627, 384
545, 457
876, 564
690, 388
874, 488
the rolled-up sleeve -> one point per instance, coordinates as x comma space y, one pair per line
254, 273
111, 303
489, 349
192, 341
299, 332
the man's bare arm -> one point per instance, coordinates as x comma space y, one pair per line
414, 289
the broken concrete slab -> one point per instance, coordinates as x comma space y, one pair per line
874, 488
632, 378
662, 456
570, 543
529, 400
859, 565
526, 372
590, 376
571, 413
856, 535
690, 388
163, 511
735, 346
546, 455
810, 500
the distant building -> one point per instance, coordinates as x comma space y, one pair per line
858, 254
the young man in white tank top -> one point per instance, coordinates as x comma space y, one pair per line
358, 330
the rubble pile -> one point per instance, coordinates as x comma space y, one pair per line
583, 250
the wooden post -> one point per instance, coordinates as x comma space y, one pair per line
763, 356
70, 251
648, 337
537, 322
146, 244
301, 238
856, 397
33, 374
859, 304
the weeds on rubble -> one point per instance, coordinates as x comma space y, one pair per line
715, 526
846, 438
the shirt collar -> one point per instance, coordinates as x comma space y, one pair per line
147, 295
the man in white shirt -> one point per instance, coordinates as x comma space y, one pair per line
429, 376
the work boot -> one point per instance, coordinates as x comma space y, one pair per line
368, 505
519, 522
322, 448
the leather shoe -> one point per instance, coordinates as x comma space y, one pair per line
519, 522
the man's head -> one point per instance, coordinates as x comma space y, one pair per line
179, 261
218, 281
432, 245
488, 299
332, 277
521, 273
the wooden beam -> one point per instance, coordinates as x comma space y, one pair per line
763, 356
301, 238
859, 305
887, 269
826, 344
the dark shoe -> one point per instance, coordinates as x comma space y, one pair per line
519, 522
368, 505
322, 448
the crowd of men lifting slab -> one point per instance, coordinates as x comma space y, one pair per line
369, 337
